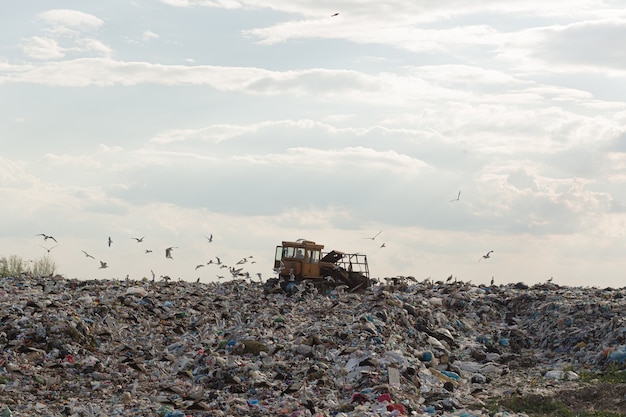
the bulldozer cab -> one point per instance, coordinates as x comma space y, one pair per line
300, 258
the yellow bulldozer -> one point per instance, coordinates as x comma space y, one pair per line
305, 260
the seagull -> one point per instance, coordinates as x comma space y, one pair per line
374, 237
148, 250
138, 239
383, 246
492, 281
49, 249
110, 241
458, 197
486, 256
88, 255
103, 265
449, 278
334, 14
46, 237
199, 266
153, 275
168, 252
219, 262
210, 238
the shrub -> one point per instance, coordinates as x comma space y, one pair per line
14, 266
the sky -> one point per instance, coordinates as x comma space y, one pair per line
454, 128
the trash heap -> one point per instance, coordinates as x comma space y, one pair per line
403, 348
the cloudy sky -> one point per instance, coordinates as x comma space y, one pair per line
258, 122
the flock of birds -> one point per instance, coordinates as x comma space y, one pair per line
236, 271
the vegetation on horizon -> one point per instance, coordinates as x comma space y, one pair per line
14, 266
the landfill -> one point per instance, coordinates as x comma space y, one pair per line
232, 348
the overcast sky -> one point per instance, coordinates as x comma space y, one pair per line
262, 121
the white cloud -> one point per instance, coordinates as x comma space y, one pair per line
587, 46
68, 22
148, 35
38, 47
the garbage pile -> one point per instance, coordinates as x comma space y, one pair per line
403, 348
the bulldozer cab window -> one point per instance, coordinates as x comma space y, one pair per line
290, 252
315, 257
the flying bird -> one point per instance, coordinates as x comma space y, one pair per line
210, 238
110, 241
199, 266
383, 246
103, 265
486, 256
168, 251
148, 250
334, 14
458, 197
49, 249
88, 255
374, 237
138, 239
46, 237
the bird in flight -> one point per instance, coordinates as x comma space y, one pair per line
374, 237
458, 197
334, 14
148, 250
88, 255
383, 246
46, 237
103, 265
486, 256
210, 238
110, 241
199, 266
168, 252
138, 239
49, 249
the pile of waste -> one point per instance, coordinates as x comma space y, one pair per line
403, 348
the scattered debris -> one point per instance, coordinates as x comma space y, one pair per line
144, 348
